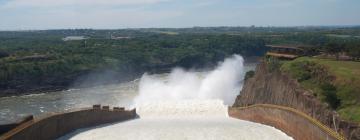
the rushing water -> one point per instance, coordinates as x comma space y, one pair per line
123, 94
181, 120
186, 129
177, 105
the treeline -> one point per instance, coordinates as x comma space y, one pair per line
44, 61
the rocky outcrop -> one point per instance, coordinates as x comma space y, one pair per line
275, 87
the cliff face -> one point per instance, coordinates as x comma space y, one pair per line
278, 88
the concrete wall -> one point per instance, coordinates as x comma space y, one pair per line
296, 124
7, 127
278, 88
56, 125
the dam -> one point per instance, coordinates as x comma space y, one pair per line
179, 105
190, 119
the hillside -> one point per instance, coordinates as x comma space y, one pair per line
334, 82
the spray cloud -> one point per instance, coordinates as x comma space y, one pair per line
221, 83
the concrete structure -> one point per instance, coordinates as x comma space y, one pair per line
291, 121
181, 120
56, 125
7, 127
284, 52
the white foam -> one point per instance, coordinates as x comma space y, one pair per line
181, 129
186, 106
222, 83
183, 109
181, 120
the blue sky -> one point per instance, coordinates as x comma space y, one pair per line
109, 14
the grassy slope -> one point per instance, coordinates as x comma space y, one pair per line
347, 83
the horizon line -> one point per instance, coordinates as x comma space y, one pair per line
134, 28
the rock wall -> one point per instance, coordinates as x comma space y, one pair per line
54, 126
278, 88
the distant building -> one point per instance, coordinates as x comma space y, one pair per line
71, 38
284, 52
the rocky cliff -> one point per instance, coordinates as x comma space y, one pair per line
275, 87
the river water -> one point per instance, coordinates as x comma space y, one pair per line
122, 94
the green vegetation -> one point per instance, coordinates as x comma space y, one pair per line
37, 60
42, 59
334, 82
273, 64
329, 92
249, 74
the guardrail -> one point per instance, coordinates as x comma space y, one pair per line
315, 122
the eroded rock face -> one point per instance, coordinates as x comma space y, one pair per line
280, 89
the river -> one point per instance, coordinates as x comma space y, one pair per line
121, 94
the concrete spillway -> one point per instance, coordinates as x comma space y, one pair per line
194, 120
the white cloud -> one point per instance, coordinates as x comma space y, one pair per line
57, 3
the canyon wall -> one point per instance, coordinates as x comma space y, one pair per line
275, 87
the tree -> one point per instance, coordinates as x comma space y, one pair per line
3, 54
249, 74
334, 49
329, 91
353, 51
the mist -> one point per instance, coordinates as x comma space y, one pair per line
223, 83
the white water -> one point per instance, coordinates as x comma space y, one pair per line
186, 105
222, 83
121, 94
181, 120
204, 129
183, 109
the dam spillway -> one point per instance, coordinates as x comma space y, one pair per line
179, 105
179, 120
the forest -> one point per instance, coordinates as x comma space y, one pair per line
42, 60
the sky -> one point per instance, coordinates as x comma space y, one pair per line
116, 14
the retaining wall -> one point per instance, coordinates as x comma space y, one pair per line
7, 127
56, 125
292, 122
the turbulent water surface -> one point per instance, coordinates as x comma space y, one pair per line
177, 105
181, 120
123, 94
